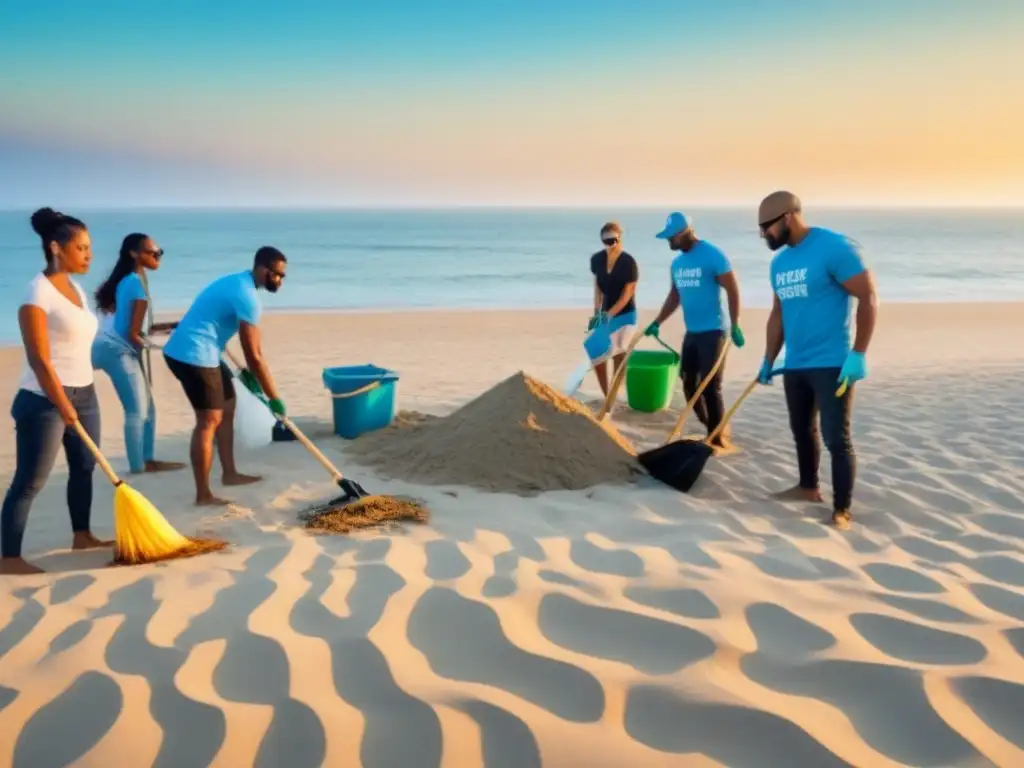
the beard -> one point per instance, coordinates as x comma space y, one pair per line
271, 286
773, 242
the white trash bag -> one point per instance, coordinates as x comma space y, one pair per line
254, 423
575, 379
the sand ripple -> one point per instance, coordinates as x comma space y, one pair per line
608, 627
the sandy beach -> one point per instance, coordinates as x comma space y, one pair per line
623, 624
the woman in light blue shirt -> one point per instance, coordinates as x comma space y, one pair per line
122, 302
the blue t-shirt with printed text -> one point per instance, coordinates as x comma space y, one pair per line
128, 291
807, 280
213, 319
695, 275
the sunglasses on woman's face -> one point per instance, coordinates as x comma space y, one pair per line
156, 254
609, 240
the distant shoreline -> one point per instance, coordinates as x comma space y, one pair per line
497, 207
277, 316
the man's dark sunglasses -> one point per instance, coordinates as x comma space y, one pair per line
766, 225
609, 240
275, 273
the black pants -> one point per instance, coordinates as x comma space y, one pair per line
39, 434
699, 354
810, 393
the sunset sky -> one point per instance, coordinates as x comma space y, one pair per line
565, 102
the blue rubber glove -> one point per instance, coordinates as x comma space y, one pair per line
854, 369
652, 330
765, 374
737, 337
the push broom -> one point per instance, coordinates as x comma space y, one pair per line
679, 464
141, 533
355, 507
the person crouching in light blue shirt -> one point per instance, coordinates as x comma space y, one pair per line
122, 303
227, 306
814, 279
698, 276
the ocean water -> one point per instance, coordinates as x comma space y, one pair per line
510, 258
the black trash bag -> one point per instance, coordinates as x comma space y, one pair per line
281, 433
677, 464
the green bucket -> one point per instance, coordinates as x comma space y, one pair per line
650, 379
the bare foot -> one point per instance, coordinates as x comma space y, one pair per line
16, 566
211, 501
85, 540
164, 466
239, 479
722, 442
796, 493
842, 519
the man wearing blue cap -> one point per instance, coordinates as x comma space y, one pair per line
816, 273
698, 275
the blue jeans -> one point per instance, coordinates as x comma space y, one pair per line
39, 433
124, 366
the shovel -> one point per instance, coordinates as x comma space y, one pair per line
575, 380
679, 464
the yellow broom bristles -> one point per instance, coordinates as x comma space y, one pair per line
143, 535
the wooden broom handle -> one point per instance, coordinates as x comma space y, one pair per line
317, 453
732, 410
613, 390
95, 450
697, 394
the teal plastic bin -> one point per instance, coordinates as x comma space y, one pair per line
365, 398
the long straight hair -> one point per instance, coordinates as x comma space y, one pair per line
106, 294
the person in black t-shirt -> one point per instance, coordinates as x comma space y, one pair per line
615, 278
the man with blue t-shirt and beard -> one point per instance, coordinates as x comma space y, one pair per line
814, 277
699, 275
229, 305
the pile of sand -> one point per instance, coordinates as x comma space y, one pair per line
520, 436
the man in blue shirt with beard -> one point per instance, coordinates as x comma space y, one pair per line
814, 277
229, 305
699, 275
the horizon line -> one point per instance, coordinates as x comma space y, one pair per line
329, 207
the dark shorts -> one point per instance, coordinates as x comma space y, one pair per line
207, 389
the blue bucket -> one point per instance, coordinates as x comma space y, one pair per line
364, 397
598, 343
